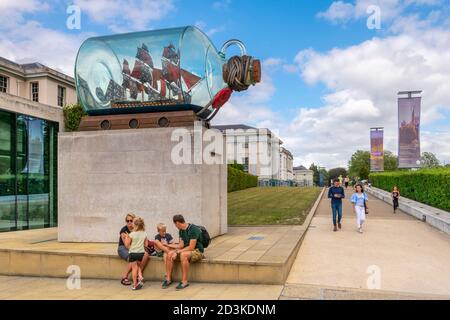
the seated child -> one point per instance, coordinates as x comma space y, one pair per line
162, 239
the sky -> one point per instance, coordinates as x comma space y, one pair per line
331, 69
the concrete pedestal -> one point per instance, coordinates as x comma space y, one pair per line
102, 175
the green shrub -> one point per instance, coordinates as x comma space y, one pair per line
429, 186
72, 116
239, 180
237, 166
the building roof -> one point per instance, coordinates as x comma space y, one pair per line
28, 70
300, 168
286, 151
232, 127
226, 127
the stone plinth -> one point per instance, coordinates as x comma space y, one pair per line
102, 175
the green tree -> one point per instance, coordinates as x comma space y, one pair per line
359, 164
390, 161
236, 166
316, 177
326, 177
429, 160
336, 172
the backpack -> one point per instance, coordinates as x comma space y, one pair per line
206, 239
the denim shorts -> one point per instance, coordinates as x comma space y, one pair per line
123, 252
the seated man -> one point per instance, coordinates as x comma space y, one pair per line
122, 249
188, 250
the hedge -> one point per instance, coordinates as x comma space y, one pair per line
239, 180
429, 186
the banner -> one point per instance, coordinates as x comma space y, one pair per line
408, 132
376, 150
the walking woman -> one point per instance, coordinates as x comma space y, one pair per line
359, 201
395, 197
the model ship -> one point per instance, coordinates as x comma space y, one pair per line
161, 86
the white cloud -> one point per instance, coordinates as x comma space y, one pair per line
364, 80
338, 11
12, 11
208, 31
251, 107
125, 15
342, 12
35, 43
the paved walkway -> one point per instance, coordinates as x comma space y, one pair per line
34, 288
412, 257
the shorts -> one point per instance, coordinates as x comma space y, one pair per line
196, 256
123, 252
134, 257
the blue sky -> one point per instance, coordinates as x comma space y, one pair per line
325, 72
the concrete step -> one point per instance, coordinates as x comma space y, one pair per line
251, 255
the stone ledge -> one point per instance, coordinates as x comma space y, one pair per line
438, 218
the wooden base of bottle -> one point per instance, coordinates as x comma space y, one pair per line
139, 120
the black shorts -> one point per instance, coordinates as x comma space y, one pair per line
134, 257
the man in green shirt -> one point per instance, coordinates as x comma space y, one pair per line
188, 250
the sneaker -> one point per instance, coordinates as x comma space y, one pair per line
339, 225
335, 228
360, 230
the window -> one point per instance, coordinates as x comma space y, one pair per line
3, 84
35, 91
28, 159
246, 164
61, 96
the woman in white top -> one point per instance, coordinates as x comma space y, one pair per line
359, 200
136, 240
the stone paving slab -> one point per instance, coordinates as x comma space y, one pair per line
29, 288
411, 256
311, 292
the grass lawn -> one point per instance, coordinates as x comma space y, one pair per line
270, 205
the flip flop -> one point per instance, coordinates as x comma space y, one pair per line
125, 282
182, 286
166, 284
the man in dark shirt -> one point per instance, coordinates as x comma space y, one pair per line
336, 194
188, 250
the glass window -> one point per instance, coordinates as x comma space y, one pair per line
28, 162
35, 91
7, 192
61, 96
3, 84
22, 172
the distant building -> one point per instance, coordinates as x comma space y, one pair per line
31, 100
36, 82
303, 176
286, 165
242, 139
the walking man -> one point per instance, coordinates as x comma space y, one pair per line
336, 194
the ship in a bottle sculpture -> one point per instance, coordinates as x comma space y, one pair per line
159, 71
